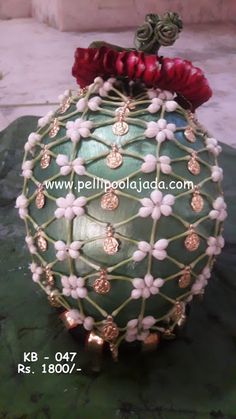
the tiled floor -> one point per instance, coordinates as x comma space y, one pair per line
35, 63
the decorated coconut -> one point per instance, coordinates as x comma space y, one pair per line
122, 200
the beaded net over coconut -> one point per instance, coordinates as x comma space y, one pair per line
123, 210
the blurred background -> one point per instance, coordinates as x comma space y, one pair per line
38, 39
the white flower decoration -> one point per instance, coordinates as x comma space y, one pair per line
45, 120
64, 250
82, 104
64, 96
159, 249
77, 129
150, 163
144, 248
103, 87
215, 244
22, 204
213, 147
27, 167
70, 206
73, 286
81, 319
216, 173
36, 271
219, 212
67, 166
139, 330
161, 130
146, 287
161, 94
156, 205
155, 106
33, 139
201, 281
30, 243
94, 103
171, 105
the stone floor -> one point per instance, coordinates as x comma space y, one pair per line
36, 60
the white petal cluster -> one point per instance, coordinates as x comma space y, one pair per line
219, 209
161, 130
158, 250
150, 164
64, 250
67, 166
70, 206
156, 205
146, 287
73, 286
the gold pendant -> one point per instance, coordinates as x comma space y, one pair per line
193, 165
65, 105
54, 128
189, 134
114, 158
53, 299
185, 278
109, 201
151, 342
40, 197
45, 159
192, 240
41, 242
197, 201
110, 244
49, 276
178, 314
110, 330
101, 285
120, 128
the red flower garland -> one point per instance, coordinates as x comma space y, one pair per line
172, 74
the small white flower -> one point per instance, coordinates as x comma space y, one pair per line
67, 166
159, 249
22, 204
33, 139
201, 281
70, 206
139, 330
27, 167
77, 129
30, 243
216, 173
146, 287
82, 104
64, 250
36, 271
64, 96
156, 205
73, 286
103, 87
215, 244
213, 147
219, 212
161, 94
94, 103
143, 249
161, 130
155, 106
171, 105
150, 163
79, 318
45, 120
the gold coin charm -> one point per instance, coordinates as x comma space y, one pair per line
151, 342
193, 165
65, 105
45, 158
178, 313
197, 201
53, 299
109, 201
40, 197
120, 128
114, 158
41, 242
101, 285
110, 244
185, 278
54, 128
192, 240
189, 134
49, 276
110, 330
